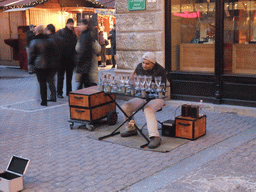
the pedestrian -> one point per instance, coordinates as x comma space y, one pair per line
29, 36
68, 60
103, 42
84, 55
148, 67
41, 59
112, 37
57, 41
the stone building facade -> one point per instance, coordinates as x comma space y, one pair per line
139, 32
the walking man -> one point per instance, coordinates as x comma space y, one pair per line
57, 41
41, 60
112, 37
68, 60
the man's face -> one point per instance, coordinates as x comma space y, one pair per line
147, 65
47, 32
83, 27
70, 26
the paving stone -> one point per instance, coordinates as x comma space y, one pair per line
67, 160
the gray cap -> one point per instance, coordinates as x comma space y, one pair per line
31, 26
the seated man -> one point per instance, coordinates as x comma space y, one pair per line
148, 67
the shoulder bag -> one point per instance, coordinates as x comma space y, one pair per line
96, 47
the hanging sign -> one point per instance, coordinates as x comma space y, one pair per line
135, 5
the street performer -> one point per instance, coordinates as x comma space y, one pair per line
148, 67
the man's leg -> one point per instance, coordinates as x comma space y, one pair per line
129, 107
51, 82
61, 73
69, 75
113, 53
149, 111
41, 77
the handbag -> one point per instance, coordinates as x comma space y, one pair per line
96, 47
77, 46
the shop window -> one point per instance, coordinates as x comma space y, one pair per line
193, 35
240, 33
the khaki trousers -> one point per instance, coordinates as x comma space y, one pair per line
149, 111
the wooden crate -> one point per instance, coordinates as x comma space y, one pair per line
90, 104
190, 128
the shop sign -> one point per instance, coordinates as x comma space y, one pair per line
186, 14
135, 5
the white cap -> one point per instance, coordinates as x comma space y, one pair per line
149, 56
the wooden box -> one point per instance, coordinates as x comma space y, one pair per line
90, 104
190, 128
11, 180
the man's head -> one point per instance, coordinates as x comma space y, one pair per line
39, 30
50, 29
70, 24
84, 24
32, 27
148, 60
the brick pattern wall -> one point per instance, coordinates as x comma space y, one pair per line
139, 32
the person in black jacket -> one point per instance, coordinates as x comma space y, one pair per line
29, 36
68, 60
84, 55
57, 41
112, 37
42, 59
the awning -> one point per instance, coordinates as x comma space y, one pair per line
18, 9
6, 3
66, 3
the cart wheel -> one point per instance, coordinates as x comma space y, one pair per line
112, 118
89, 127
71, 125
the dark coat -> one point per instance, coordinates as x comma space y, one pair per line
113, 38
69, 42
42, 53
58, 42
84, 55
30, 35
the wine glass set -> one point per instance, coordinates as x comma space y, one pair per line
140, 85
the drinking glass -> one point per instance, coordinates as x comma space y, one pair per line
148, 82
126, 80
120, 83
142, 81
137, 82
162, 87
121, 77
158, 80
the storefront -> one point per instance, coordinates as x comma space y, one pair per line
206, 46
210, 51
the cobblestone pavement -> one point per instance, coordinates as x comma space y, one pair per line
67, 160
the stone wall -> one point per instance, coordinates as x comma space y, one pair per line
139, 32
